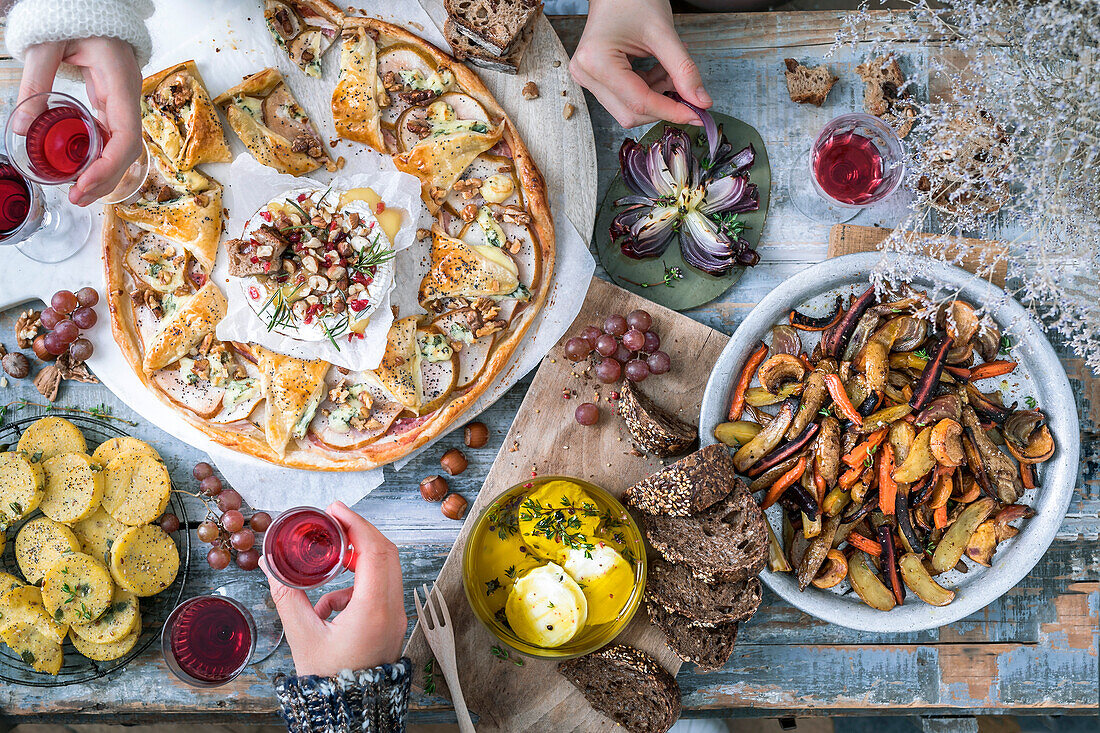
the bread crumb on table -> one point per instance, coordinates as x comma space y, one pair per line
567, 110
530, 90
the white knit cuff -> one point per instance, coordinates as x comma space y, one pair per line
32, 22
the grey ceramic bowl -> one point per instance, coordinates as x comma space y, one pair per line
1039, 375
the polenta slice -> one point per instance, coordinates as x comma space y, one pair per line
106, 652
97, 534
40, 543
24, 604
74, 487
136, 488
122, 444
9, 581
22, 486
120, 618
49, 437
35, 648
144, 560
77, 589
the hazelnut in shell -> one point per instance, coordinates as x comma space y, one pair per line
476, 435
433, 488
453, 461
454, 506
16, 365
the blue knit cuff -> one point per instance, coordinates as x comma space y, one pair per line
371, 700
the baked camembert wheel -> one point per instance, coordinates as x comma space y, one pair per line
484, 281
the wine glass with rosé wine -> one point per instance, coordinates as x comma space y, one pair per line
51, 139
857, 160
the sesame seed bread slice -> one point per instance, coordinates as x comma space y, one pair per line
690, 485
808, 85
727, 542
676, 590
708, 649
651, 428
495, 25
628, 686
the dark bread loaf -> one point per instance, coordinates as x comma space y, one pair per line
466, 50
495, 25
628, 686
651, 428
709, 649
806, 85
674, 589
727, 542
690, 485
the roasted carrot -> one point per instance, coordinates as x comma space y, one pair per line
858, 541
840, 399
963, 373
887, 486
819, 484
863, 451
991, 369
805, 361
784, 482
939, 517
944, 486
1027, 475
738, 402
848, 478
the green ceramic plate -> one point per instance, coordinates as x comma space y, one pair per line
696, 287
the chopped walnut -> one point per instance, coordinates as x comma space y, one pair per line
514, 245
419, 96
490, 327
423, 233
339, 394
391, 82
530, 90
514, 215
47, 381
207, 342
152, 302
438, 194
420, 128
26, 328
469, 212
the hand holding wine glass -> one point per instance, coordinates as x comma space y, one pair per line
370, 624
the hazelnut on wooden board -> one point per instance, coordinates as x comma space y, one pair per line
476, 435
530, 90
453, 461
454, 506
433, 488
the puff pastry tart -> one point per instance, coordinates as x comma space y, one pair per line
178, 117
485, 280
273, 126
304, 29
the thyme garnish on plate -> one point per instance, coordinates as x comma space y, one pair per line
560, 523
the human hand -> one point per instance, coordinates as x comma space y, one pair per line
113, 81
618, 30
370, 624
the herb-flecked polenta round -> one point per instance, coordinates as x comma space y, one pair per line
136, 488
120, 618
77, 589
34, 647
106, 652
97, 534
24, 604
144, 560
7, 582
40, 543
49, 437
122, 444
22, 486
74, 487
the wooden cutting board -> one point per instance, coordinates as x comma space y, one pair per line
545, 438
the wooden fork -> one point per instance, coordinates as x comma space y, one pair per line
441, 638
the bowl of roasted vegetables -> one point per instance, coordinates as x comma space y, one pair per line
914, 453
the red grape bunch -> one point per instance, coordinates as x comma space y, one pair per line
626, 347
228, 533
68, 314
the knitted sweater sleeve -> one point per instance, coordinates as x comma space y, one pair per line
371, 700
32, 22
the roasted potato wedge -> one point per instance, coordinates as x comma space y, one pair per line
40, 543
917, 579
950, 549
33, 646
983, 543
22, 486
122, 444
24, 604
74, 487
97, 533
144, 560
114, 624
106, 652
136, 488
867, 585
919, 461
49, 437
77, 589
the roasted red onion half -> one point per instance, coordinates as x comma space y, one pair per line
673, 193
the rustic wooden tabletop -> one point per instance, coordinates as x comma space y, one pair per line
1034, 651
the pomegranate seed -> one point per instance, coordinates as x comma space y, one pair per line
254, 293
379, 208
267, 266
265, 215
302, 197
254, 259
295, 238
308, 319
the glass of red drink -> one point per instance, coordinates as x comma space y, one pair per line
208, 640
305, 548
38, 221
857, 160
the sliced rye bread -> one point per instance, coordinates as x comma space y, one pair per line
707, 648
466, 50
690, 485
808, 85
884, 81
727, 542
628, 686
676, 590
651, 428
495, 25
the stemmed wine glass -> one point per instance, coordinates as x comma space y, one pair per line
857, 160
306, 548
51, 139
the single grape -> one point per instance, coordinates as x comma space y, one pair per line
84, 317
170, 523
622, 354
640, 320
577, 349
634, 340
81, 350
229, 499
233, 521
652, 342
202, 470
248, 559
211, 486
67, 331
659, 362
49, 317
636, 370
54, 344
40, 350
606, 344
609, 371
243, 539
587, 414
260, 521
87, 297
63, 301
615, 325
590, 334
218, 558
208, 531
